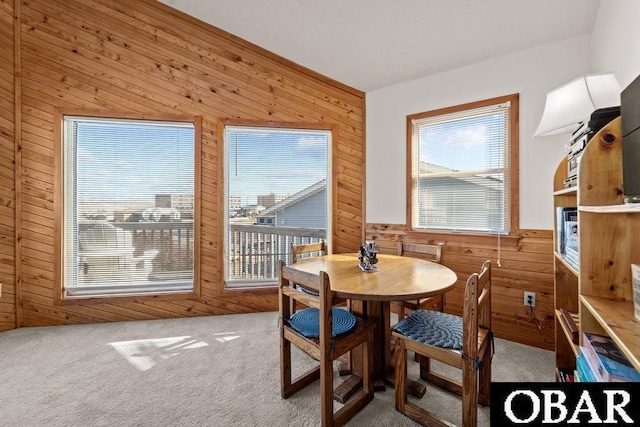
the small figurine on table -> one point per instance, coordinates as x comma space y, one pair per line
368, 257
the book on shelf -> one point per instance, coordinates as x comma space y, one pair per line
566, 375
586, 374
569, 322
566, 228
571, 235
571, 257
608, 361
635, 279
560, 230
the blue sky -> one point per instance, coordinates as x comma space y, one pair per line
274, 161
463, 144
133, 162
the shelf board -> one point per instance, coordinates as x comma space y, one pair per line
569, 190
566, 332
569, 267
617, 319
626, 208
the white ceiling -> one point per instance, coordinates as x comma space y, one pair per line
370, 44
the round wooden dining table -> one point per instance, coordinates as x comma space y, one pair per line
397, 278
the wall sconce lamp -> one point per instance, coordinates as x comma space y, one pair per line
571, 104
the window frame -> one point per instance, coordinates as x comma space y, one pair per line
513, 167
266, 285
60, 296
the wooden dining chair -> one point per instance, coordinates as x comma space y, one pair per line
325, 333
424, 251
464, 342
318, 249
306, 250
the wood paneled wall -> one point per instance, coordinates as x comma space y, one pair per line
144, 57
7, 168
526, 264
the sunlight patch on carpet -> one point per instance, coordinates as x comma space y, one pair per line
226, 336
147, 353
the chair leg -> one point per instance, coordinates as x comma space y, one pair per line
469, 393
425, 366
401, 375
484, 397
411, 410
326, 391
285, 366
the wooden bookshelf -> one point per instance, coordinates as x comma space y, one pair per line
565, 277
600, 294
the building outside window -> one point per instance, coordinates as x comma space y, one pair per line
278, 176
463, 168
128, 206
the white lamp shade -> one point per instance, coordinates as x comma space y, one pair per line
572, 103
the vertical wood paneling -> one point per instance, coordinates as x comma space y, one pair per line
526, 264
144, 57
7, 168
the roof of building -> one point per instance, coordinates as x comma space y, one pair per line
482, 180
296, 198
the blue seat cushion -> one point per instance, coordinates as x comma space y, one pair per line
307, 322
432, 328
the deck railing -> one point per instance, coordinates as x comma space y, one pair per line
172, 240
254, 250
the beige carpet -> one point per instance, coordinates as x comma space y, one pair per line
205, 371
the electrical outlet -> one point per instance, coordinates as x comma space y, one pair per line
530, 299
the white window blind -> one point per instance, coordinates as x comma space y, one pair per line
460, 170
277, 193
128, 206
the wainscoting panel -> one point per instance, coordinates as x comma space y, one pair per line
526, 264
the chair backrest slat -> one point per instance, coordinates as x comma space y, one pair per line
309, 248
477, 308
484, 299
301, 296
434, 252
309, 280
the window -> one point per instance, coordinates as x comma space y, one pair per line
128, 206
463, 164
277, 192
